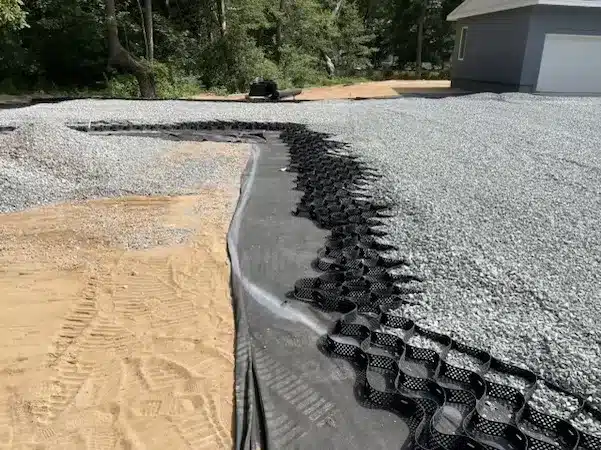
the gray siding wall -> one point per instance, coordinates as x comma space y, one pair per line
494, 51
554, 19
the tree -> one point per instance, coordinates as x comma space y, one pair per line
222, 17
12, 14
279, 43
420, 38
337, 9
149, 29
122, 59
354, 41
216, 43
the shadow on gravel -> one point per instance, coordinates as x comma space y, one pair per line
430, 93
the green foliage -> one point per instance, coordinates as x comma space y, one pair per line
62, 46
123, 86
170, 83
355, 46
65, 48
299, 69
12, 14
233, 61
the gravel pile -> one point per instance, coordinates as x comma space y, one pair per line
44, 161
499, 207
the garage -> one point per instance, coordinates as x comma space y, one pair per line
534, 46
570, 64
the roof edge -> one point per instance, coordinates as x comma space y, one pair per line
468, 9
572, 3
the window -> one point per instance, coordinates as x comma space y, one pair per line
462, 42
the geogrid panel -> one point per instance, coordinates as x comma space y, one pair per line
357, 282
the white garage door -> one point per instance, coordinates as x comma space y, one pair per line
570, 64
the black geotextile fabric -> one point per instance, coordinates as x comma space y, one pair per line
327, 364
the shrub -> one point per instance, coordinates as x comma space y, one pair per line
231, 63
169, 83
123, 86
299, 69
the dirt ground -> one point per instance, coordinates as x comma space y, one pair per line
117, 328
373, 89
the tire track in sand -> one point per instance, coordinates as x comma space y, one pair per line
129, 347
76, 322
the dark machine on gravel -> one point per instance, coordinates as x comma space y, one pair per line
261, 89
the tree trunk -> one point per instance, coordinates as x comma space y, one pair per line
368, 11
149, 29
278, 33
144, 34
329, 64
222, 21
337, 9
420, 41
121, 58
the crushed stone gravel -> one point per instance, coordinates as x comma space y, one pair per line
586, 423
423, 342
44, 161
509, 380
463, 361
554, 403
497, 204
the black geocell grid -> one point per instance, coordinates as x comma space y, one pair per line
446, 407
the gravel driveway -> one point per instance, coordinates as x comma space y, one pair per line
499, 206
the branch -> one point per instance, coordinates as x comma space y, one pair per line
337, 9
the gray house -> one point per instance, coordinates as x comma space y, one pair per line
546, 46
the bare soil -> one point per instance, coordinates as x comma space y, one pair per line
117, 328
372, 89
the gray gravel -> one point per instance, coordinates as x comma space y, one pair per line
43, 161
463, 361
499, 207
552, 402
586, 423
509, 380
423, 342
